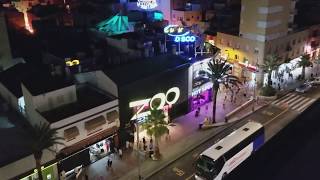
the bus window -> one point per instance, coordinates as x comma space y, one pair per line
205, 164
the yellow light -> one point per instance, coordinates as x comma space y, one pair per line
68, 63
26, 22
75, 62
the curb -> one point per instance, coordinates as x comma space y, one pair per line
200, 143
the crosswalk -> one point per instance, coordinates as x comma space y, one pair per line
294, 101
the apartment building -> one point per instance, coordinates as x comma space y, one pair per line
266, 27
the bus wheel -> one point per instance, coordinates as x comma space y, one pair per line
224, 176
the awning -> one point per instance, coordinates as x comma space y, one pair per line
248, 66
94, 123
112, 116
71, 133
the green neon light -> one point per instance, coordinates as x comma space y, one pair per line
43, 169
117, 24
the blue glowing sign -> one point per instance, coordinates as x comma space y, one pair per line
185, 39
179, 33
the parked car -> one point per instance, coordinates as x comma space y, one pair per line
304, 88
315, 81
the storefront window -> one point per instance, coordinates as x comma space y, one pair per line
100, 149
201, 85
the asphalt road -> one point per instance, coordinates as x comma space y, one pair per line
183, 167
280, 158
293, 154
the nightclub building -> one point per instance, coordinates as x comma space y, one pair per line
162, 77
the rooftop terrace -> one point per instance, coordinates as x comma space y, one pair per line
87, 98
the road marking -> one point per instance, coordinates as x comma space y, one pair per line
276, 116
293, 96
295, 99
306, 105
178, 171
267, 113
284, 97
188, 178
300, 103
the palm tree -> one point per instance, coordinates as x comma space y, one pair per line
271, 63
317, 62
219, 73
156, 127
305, 62
43, 138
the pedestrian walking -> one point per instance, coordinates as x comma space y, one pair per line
120, 153
144, 140
150, 150
109, 163
151, 141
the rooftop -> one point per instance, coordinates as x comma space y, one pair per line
87, 98
225, 144
146, 68
44, 82
12, 78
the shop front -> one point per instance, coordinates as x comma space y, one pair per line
87, 151
169, 93
49, 172
201, 85
248, 71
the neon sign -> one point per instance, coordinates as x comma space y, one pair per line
147, 4
175, 30
180, 34
163, 97
72, 62
185, 39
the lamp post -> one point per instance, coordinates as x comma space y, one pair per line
138, 153
254, 90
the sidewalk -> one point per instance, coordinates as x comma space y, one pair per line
184, 136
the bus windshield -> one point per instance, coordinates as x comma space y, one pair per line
206, 164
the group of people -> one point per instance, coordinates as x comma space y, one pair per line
233, 93
147, 148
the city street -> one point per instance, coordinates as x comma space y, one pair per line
274, 117
292, 154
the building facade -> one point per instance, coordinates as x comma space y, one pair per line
266, 28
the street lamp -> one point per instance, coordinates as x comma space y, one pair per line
254, 90
138, 153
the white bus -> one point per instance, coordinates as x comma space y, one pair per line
219, 160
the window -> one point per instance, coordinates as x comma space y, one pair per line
95, 124
71, 133
112, 116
